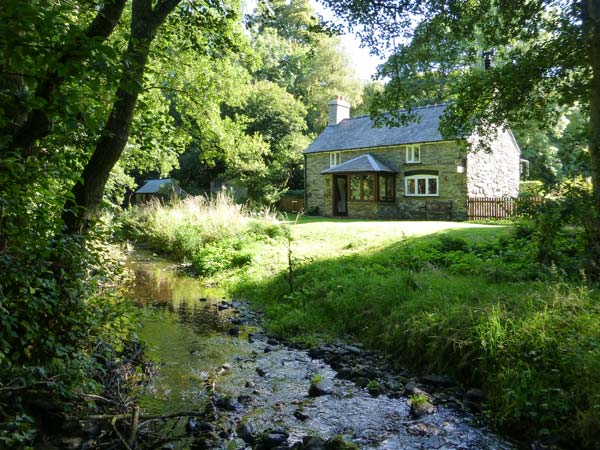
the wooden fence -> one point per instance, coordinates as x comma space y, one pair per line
497, 207
290, 204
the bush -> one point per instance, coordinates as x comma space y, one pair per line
57, 302
531, 188
569, 204
214, 234
452, 244
221, 256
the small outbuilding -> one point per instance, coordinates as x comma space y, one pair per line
163, 189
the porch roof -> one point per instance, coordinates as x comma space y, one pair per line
362, 163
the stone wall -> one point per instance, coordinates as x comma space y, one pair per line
495, 173
443, 157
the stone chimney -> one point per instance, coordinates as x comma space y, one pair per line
338, 110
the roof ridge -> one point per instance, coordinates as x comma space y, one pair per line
435, 105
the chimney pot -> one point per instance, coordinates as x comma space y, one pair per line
339, 110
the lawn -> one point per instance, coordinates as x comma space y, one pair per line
325, 238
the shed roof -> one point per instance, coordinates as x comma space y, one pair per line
360, 132
362, 163
155, 186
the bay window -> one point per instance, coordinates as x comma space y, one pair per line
387, 188
372, 187
362, 188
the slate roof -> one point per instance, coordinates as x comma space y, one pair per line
362, 163
359, 132
155, 186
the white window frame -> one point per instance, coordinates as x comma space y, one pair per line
422, 177
335, 158
411, 150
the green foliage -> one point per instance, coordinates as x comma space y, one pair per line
221, 255
59, 311
279, 119
299, 54
316, 378
339, 443
418, 399
374, 387
570, 203
531, 188
215, 235
487, 312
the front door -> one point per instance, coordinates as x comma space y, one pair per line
340, 195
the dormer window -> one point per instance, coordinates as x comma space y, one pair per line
335, 158
413, 153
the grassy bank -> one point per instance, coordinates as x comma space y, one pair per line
470, 301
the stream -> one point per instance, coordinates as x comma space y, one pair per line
212, 355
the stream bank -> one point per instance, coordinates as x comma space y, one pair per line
249, 390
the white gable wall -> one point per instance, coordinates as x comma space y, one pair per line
495, 173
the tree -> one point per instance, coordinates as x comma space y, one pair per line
279, 119
547, 51
302, 56
371, 91
86, 87
47, 70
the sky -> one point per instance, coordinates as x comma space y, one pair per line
364, 63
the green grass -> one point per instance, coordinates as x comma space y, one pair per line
468, 300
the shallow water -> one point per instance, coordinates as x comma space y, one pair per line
188, 335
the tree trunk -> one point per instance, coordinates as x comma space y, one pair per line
591, 24
81, 208
36, 124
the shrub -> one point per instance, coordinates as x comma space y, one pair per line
57, 303
569, 204
214, 234
531, 188
452, 244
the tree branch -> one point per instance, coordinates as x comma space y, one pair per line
37, 125
164, 8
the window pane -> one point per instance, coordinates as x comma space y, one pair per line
417, 153
410, 186
335, 158
390, 188
354, 187
382, 184
369, 188
432, 184
421, 186
386, 188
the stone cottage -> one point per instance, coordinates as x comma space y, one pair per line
356, 170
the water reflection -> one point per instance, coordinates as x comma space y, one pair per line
186, 332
